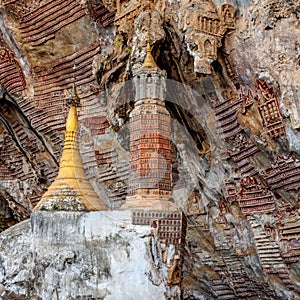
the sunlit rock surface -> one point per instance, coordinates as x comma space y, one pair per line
235, 118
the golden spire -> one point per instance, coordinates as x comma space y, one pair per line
149, 61
71, 190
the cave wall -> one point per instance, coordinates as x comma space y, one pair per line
233, 94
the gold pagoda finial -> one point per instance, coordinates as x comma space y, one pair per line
71, 190
149, 61
73, 98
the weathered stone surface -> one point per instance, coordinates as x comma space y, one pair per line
224, 130
70, 255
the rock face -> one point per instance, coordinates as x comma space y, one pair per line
233, 96
95, 255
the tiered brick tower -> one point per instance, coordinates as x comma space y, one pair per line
150, 177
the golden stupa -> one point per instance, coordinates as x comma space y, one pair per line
149, 61
71, 190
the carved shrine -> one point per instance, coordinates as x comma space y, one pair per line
268, 107
102, 16
226, 115
240, 154
42, 22
11, 76
229, 191
283, 173
97, 125
269, 253
292, 251
204, 27
253, 198
290, 229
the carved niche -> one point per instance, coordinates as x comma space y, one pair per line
195, 205
204, 28
174, 273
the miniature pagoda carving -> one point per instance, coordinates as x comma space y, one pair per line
150, 175
283, 173
204, 27
226, 115
254, 199
71, 190
268, 106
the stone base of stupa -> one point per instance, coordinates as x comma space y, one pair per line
92, 255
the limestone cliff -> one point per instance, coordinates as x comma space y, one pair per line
233, 95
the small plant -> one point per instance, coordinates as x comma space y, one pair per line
54, 206
119, 41
2, 227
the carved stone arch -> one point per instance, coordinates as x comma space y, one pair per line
228, 14
149, 78
208, 47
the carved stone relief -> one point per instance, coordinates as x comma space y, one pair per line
204, 27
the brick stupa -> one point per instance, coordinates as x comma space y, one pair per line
150, 175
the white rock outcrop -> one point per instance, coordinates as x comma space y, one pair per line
81, 255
